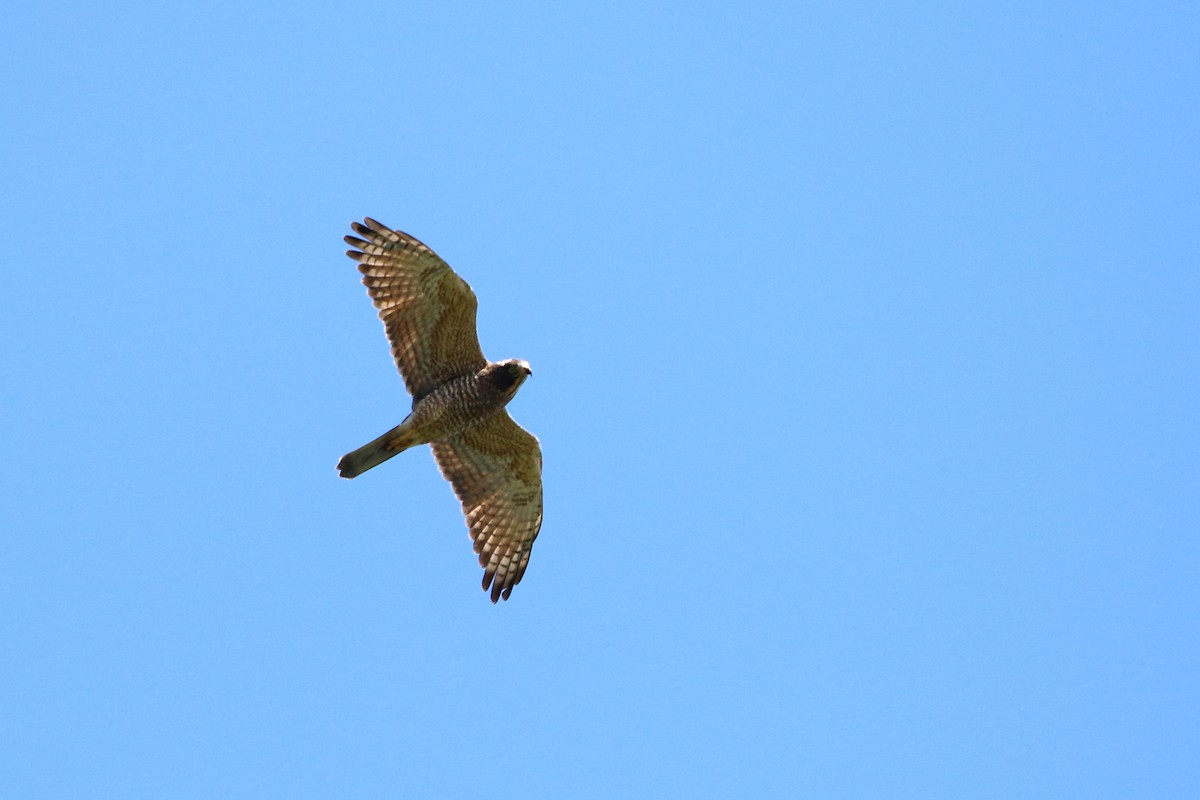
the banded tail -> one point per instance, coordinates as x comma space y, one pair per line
375, 453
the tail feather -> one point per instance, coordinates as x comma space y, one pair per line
372, 454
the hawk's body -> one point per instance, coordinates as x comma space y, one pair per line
459, 397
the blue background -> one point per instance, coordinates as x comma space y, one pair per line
864, 340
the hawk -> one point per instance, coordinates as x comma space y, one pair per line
459, 399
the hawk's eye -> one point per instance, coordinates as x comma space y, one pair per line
512, 370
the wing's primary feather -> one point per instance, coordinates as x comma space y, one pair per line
496, 470
426, 308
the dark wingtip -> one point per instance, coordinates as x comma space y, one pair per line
490, 582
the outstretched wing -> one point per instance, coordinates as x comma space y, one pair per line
427, 310
496, 470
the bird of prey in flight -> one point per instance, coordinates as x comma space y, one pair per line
459, 399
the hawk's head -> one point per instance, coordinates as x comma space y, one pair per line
507, 376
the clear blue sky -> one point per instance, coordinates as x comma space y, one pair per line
865, 366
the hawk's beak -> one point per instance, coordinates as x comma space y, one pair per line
528, 371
